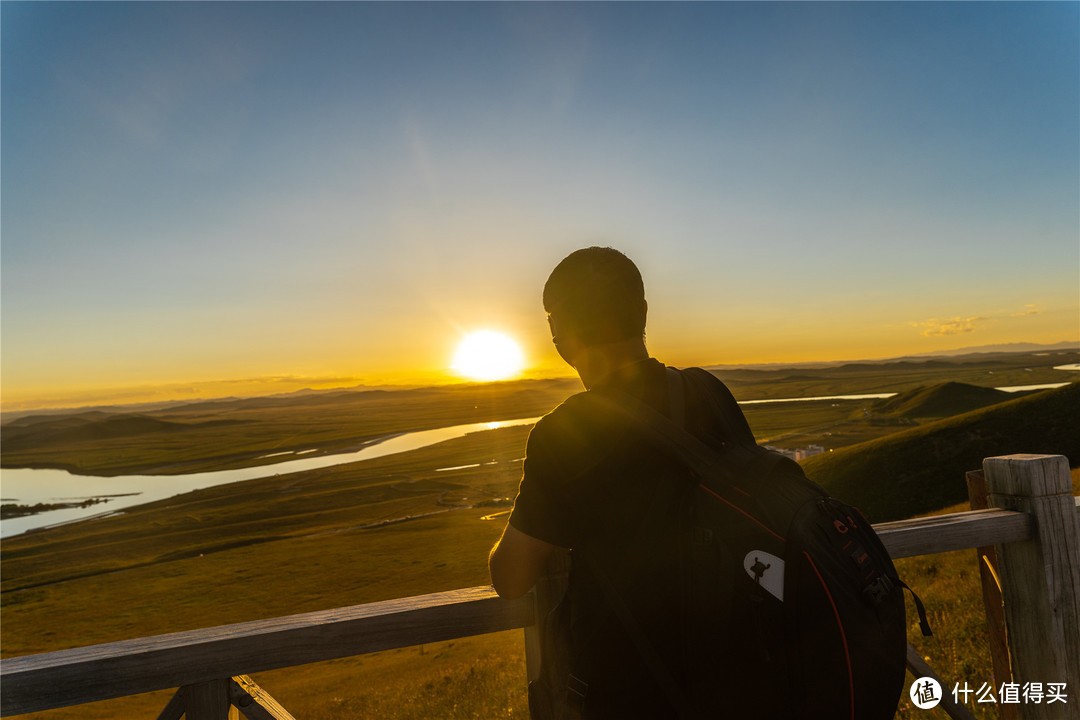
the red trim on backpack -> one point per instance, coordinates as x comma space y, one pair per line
843, 637
720, 497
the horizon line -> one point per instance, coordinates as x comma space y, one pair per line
70, 403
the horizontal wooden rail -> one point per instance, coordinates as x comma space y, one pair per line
99, 672
955, 531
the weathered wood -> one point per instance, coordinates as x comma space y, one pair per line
254, 702
979, 499
547, 593
175, 708
99, 672
955, 531
209, 701
918, 667
1040, 578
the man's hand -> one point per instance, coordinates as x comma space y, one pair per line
517, 562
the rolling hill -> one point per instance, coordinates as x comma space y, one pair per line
922, 469
939, 401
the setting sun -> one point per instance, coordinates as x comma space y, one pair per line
487, 355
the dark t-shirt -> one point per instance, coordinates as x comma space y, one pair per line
595, 482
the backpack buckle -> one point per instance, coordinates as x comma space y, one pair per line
878, 590
576, 690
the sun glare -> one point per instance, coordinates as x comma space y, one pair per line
487, 355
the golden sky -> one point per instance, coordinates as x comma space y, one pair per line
214, 199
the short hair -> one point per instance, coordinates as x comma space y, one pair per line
598, 295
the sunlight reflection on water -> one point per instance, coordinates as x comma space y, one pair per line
31, 486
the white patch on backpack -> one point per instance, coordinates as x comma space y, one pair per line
770, 568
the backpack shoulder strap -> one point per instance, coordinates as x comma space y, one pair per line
698, 457
726, 409
676, 397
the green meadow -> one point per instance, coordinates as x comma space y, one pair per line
399, 525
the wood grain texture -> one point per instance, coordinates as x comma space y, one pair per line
955, 531
1040, 578
979, 499
254, 702
100, 672
209, 701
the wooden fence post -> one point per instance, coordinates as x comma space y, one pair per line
210, 701
1040, 579
991, 592
547, 593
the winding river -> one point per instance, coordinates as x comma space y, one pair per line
31, 486
28, 486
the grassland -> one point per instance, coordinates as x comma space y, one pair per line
316, 540
235, 433
921, 468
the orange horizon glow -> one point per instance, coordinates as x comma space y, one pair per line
540, 362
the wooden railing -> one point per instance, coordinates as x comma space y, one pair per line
1032, 519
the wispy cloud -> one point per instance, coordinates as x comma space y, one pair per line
1030, 309
959, 325
936, 327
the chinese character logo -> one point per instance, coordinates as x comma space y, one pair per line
925, 693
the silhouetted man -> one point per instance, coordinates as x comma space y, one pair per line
592, 483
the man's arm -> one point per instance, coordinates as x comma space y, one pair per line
517, 562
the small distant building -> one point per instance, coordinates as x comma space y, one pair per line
808, 451
783, 451
798, 453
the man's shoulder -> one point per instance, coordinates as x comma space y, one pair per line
577, 434
701, 375
571, 417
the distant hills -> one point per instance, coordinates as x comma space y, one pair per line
922, 469
1003, 348
35, 431
974, 352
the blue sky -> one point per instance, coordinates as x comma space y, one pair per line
260, 192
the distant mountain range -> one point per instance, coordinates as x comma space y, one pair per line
1003, 348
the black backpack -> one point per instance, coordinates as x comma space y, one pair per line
790, 607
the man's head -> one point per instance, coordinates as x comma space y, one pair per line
595, 296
